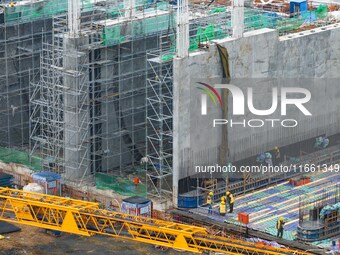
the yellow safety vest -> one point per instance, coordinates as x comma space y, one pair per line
222, 208
280, 224
231, 198
209, 200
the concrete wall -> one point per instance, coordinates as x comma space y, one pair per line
259, 54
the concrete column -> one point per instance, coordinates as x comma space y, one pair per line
76, 113
181, 122
237, 18
182, 38
73, 17
130, 8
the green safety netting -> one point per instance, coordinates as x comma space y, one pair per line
167, 57
111, 35
289, 24
209, 33
115, 11
119, 185
216, 10
137, 28
322, 11
9, 155
119, 33
36, 10
260, 21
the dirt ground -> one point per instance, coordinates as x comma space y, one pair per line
34, 241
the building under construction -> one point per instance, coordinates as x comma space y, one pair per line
100, 90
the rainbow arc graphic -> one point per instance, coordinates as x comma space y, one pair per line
212, 93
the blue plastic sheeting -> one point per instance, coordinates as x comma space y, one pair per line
310, 18
298, 6
328, 209
46, 176
6, 180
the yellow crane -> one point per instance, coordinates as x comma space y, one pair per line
87, 219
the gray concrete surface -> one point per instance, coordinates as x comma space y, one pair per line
259, 54
76, 112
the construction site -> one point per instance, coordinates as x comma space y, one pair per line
201, 126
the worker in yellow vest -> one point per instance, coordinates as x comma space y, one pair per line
210, 202
222, 208
280, 225
230, 200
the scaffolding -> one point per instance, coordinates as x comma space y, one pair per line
125, 42
87, 107
19, 55
159, 125
99, 124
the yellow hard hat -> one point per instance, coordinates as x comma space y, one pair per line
227, 193
210, 193
276, 148
222, 202
282, 219
222, 199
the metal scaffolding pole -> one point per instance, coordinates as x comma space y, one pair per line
159, 126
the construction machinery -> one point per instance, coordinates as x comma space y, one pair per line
87, 219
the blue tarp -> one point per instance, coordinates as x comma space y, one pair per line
328, 209
310, 16
298, 6
46, 176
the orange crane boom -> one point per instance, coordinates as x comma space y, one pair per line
86, 218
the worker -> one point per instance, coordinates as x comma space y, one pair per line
222, 208
210, 202
268, 159
223, 198
280, 225
277, 155
136, 181
230, 200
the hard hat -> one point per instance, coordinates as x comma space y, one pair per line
227, 193
210, 193
222, 202
222, 199
276, 148
282, 219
